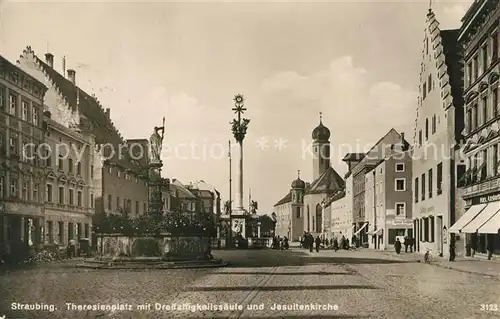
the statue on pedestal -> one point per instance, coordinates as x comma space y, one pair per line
155, 144
253, 207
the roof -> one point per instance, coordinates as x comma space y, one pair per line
177, 189
335, 197
4, 61
102, 127
353, 157
328, 182
284, 200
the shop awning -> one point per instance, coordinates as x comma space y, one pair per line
466, 218
359, 230
492, 226
481, 219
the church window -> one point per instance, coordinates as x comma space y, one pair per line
424, 91
426, 45
434, 124
426, 129
420, 137
298, 212
429, 83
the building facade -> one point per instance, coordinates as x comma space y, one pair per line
69, 197
119, 180
479, 38
388, 200
386, 146
22, 176
439, 123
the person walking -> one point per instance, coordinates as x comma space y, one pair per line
452, 248
335, 244
310, 242
411, 242
318, 243
397, 246
72, 248
406, 243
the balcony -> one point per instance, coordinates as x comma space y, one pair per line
490, 185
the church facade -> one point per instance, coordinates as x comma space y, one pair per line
302, 208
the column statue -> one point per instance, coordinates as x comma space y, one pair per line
155, 144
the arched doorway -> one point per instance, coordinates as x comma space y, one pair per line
319, 219
308, 219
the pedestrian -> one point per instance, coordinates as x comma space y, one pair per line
397, 246
406, 243
411, 242
347, 244
335, 244
71, 248
490, 246
310, 242
354, 240
342, 242
452, 247
318, 242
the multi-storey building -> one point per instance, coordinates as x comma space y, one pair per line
22, 177
388, 200
479, 37
119, 180
439, 123
69, 196
387, 145
290, 210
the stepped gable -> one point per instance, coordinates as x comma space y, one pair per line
328, 182
104, 130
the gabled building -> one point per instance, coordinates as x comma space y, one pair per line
118, 181
22, 175
438, 127
389, 144
479, 38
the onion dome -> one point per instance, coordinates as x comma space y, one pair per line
321, 132
298, 183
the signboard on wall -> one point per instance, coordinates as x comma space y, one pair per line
401, 222
489, 198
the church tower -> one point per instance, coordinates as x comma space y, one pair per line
298, 188
321, 149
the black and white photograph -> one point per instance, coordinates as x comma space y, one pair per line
249, 159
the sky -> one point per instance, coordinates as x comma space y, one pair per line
357, 62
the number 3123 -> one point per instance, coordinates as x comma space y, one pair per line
489, 307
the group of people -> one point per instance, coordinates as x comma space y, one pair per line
409, 242
308, 241
280, 243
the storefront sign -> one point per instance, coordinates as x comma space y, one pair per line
425, 210
489, 198
401, 222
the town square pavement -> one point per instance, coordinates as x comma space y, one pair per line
347, 284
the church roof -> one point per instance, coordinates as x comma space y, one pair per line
353, 157
284, 200
328, 182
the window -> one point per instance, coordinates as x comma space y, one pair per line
92, 200
298, 212
2, 98
416, 190
137, 207
475, 117
400, 184
439, 182
495, 160
484, 164
494, 106
485, 58
25, 190
91, 171
434, 124
485, 110
118, 203
70, 165
429, 83
79, 169
469, 73
401, 209
426, 129
145, 208
420, 137
431, 224
25, 107
13, 104
61, 232
71, 196
476, 67
36, 188
48, 196
79, 199
14, 187
34, 113
61, 195
469, 121
60, 163
427, 46
110, 198
430, 183
424, 91
2, 186
14, 141
400, 167
494, 46
423, 186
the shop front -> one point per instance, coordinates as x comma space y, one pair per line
481, 226
397, 228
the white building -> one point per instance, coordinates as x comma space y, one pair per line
439, 121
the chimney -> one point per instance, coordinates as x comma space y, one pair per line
71, 75
108, 115
49, 59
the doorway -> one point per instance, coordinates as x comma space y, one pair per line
440, 241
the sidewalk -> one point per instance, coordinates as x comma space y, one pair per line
467, 265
